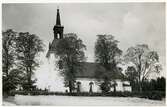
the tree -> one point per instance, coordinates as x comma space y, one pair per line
12, 81
8, 38
70, 51
28, 46
8, 53
106, 85
161, 84
131, 75
144, 60
106, 55
158, 84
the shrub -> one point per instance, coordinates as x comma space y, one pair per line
105, 87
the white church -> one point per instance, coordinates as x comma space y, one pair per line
86, 79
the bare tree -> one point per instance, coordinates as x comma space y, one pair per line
144, 60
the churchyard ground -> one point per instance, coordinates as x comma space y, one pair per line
79, 101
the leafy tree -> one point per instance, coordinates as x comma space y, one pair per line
105, 86
70, 51
13, 80
152, 85
28, 46
131, 75
106, 55
158, 84
144, 60
8, 43
146, 85
8, 53
161, 84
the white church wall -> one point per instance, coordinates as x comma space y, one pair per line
127, 88
58, 80
119, 86
85, 87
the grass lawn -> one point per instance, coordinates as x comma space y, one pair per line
78, 100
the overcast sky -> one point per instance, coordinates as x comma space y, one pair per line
130, 23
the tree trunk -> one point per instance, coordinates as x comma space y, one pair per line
7, 63
114, 86
29, 79
139, 69
140, 86
70, 86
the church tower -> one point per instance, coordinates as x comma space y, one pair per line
58, 29
58, 34
55, 79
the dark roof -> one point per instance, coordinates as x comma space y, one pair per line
52, 47
90, 69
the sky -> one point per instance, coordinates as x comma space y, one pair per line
129, 23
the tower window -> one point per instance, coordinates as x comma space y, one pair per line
58, 36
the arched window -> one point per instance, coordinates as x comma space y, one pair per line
58, 36
91, 85
78, 86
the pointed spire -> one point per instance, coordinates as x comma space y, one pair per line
58, 22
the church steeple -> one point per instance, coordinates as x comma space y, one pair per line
58, 22
58, 28
58, 34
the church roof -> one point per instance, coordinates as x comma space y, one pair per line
90, 69
51, 47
